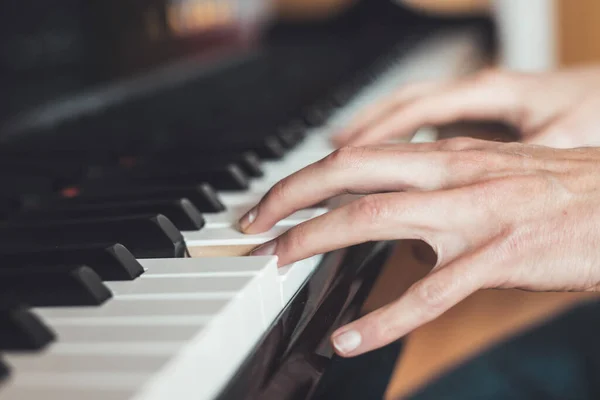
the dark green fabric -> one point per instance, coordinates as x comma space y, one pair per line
362, 377
557, 360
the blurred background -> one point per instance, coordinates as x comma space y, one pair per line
535, 34
103, 79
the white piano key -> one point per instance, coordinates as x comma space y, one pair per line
211, 267
246, 306
12, 392
88, 363
116, 348
117, 381
229, 237
106, 333
227, 286
231, 217
262, 270
292, 277
164, 320
148, 307
233, 199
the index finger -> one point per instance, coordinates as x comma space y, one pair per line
364, 171
389, 216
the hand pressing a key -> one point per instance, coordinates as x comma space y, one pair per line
558, 109
498, 215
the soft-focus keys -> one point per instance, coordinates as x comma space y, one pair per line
155, 336
145, 236
43, 288
112, 263
181, 212
225, 177
202, 196
247, 161
21, 330
4, 371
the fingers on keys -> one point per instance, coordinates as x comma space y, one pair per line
489, 95
409, 167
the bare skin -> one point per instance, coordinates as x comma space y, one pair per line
558, 109
498, 216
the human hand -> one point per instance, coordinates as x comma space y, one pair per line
558, 109
498, 215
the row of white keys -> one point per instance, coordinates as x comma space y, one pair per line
442, 57
219, 241
115, 370
206, 313
230, 217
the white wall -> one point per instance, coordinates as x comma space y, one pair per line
527, 34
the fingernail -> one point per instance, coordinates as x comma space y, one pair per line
248, 219
347, 341
267, 249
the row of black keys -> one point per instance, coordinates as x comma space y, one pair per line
70, 258
226, 169
60, 254
84, 230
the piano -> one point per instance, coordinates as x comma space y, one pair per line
133, 136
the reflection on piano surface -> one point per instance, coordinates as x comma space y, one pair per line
133, 135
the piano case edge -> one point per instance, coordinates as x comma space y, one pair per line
294, 354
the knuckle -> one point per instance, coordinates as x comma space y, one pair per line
432, 297
468, 160
512, 243
294, 239
457, 143
370, 208
344, 157
280, 191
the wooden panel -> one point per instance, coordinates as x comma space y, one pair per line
323, 8
478, 322
578, 31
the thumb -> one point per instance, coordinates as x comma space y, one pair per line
424, 301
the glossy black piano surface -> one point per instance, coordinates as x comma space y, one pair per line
114, 111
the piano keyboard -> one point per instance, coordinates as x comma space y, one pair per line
181, 327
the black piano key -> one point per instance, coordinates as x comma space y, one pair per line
227, 177
342, 96
181, 212
4, 371
269, 149
65, 168
247, 161
250, 164
22, 330
111, 263
202, 196
19, 184
317, 115
152, 236
292, 134
38, 287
